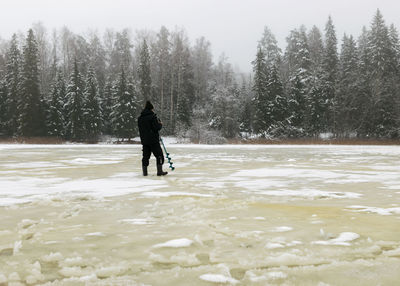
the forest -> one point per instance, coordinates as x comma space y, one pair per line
80, 87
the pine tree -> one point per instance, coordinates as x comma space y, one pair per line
12, 79
121, 54
106, 107
162, 58
186, 99
91, 107
124, 112
270, 48
363, 99
277, 103
260, 92
382, 52
3, 107
74, 106
144, 74
348, 89
31, 120
298, 66
329, 76
56, 119
316, 47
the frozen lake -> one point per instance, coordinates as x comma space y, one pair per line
230, 214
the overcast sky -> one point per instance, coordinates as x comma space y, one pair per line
232, 26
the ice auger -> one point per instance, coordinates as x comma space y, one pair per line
167, 155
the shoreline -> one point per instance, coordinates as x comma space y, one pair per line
297, 141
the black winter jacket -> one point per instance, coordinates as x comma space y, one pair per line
149, 125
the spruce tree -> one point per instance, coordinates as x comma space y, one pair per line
3, 107
382, 53
363, 99
348, 89
298, 66
316, 47
74, 106
277, 103
329, 76
106, 107
91, 107
260, 92
144, 74
124, 112
186, 99
31, 120
56, 119
12, 80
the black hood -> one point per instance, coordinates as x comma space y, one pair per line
146, 112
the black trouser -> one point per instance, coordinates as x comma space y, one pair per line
157, 152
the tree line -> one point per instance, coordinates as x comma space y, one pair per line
80, 87
312, 89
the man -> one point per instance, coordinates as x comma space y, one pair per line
149, 125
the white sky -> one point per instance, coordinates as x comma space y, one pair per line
232, 26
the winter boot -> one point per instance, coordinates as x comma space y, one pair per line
160, 172
144, 168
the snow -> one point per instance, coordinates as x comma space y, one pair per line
282, 229
343, 239
218, 278
228, 214
380, 211
175, 243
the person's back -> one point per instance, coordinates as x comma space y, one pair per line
149, 125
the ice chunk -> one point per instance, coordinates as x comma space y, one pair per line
71, 272
276, 275
343, 239
380, 211
106, 272
17, 246
176, 243
136, 221
274, 245
218, 278
95, 234
53, 257
282, 229
14, 277
3, 279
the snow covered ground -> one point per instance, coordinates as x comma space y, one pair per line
228, 214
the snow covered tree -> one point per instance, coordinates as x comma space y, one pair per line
12, 80
186, 95
91, 107
124, 114
298, 66
3, 107
316, 47
382, 55
329, 76
277, 111
348, 89
31, 120
56, 116
162, 49
121, 53
144, 74
107, 104
270, 48
97, 56
74, 105
260, 92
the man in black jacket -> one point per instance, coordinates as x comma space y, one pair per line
149, 125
